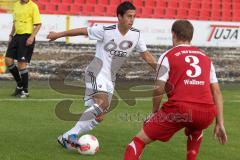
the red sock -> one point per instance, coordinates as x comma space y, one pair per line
134, 149
193, 144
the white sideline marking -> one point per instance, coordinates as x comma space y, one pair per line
76, 99
38, 100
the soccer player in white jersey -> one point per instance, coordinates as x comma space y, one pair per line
114, 44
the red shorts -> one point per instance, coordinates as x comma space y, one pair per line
194, 117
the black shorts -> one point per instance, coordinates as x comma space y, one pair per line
18, 50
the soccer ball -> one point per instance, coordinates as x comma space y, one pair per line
88, 145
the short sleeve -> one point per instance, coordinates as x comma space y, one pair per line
13, 12
213, 77
96, 32
141, 45
163, 68
36, 15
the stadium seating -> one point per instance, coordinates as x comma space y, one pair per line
171, 13
2, 10
67, 1
51, 8
147, 12
149, 3
64, 8
103, 2
55, 1
182, 13
172, 4
204, 14
193, 14
184, 5
75, 9
160, 13
138, 3
100, 10
227, 15
195, 5
220, 10
161, 4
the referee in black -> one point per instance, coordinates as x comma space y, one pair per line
26, 24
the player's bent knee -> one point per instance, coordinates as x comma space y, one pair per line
104, 105
143, 136
8, 61
22, 65
100, 118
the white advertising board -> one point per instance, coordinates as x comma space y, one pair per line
49, 23
154, 31
5, 26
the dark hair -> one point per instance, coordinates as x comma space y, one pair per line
183, 30
124, 6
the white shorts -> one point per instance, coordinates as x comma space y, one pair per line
95, 85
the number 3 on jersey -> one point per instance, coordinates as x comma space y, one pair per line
195, 65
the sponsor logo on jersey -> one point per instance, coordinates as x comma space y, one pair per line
111, 47
118, 53
124, 45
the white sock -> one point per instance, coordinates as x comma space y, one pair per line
86, 122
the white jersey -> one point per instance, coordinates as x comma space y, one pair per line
112, 49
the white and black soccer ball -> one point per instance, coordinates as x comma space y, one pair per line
89, 145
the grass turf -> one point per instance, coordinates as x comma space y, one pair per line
29, 128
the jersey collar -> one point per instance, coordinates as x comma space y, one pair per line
120, 32
183, 45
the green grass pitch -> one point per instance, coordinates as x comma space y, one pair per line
29, 128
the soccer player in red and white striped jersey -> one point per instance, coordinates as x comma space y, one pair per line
188, 77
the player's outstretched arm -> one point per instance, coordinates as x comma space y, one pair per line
73, 32
219, 130
150, 59
158, 92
